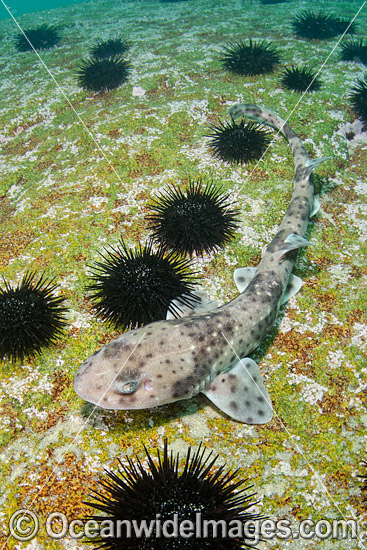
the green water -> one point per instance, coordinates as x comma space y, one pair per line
20, 7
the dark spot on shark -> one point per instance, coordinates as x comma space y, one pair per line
260, 399
234, 405
260, 412
110, 351
247, 403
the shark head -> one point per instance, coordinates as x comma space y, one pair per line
167, 361
140, 369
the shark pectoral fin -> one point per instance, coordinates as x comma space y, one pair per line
315, 207
242, 277
294, 285
201, 305
241, 393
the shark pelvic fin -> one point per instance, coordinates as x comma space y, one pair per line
294, 286
241, 393
315, 207
242, 277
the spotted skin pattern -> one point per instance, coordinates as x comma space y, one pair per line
167, 361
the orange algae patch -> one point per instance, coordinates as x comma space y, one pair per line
50, 487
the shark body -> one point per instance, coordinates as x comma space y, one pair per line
207, 352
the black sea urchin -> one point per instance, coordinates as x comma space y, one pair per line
354, 50
133, 288
31, 317
109, 48
41, 38
358, 99
212, 505
100, 75
238, 143
300, 79
320, 26
199, 219
249, 59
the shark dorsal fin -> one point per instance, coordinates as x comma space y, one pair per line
242, 277
202, 305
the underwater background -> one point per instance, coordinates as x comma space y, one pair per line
78, 169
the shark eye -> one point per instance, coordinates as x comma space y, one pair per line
128, 387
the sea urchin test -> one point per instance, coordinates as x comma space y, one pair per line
207, 352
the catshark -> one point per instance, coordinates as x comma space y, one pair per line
207, 351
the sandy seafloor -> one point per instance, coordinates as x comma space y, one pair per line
77, 171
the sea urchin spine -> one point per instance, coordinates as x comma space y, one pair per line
300, 79
354, 50
110, 48
133, 288
358, 100
199, 219
31, 317
40, 38
321, 26
240, 143
214, 502
100, 75
250, 59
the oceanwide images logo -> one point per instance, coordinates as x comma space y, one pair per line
24, 525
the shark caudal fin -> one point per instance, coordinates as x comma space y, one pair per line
241, 393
